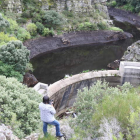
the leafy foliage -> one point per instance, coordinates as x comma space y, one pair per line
130, 5
40, 27
14, 53
52, 19
5, 38
87, 26
23, 34
18, 106
8, 71
47, 32
3, 23
32, 28
102, 101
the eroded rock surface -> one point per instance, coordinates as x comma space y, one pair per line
6, 133
132, 53
46, 44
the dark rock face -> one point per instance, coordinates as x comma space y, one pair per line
132, 53
125, 16
47, 44
29, 80
114, 65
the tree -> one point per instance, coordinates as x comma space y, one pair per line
19, 106
3, 23
14, 53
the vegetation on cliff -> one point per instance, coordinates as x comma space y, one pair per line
130, 5
107, 113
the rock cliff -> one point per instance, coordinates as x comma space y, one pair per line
77, 6
132, 53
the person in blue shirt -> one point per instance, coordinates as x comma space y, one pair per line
47, 112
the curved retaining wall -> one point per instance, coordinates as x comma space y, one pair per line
64, 92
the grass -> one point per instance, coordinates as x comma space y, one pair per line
50, 137
115, 29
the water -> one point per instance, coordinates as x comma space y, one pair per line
53, 66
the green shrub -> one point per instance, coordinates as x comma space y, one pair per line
14, 53
29, 67
22, 34
87, 26
26, 14
129, 7
19, 107
112, 3
37, 17
47, 32
68, 13
52, 19
3, 23
32, 28
8, 71
115, 29
40, 27
90, 109
117, 106
102, 26
5, 38
22, 20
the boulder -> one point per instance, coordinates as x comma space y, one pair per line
29, 80
132, 53
114, 65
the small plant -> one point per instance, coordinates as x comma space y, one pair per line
85, 71
115, 29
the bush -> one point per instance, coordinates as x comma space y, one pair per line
47, 32
32, 28
40, 27
3, 23
22, 20
87, 26
36, 18
22, 34
112, 3
26, 14
14, 53
8, 71
52, 19
5, 38
100, 101
102, 26
19, 107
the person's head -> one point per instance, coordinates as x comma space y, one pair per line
46, 99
